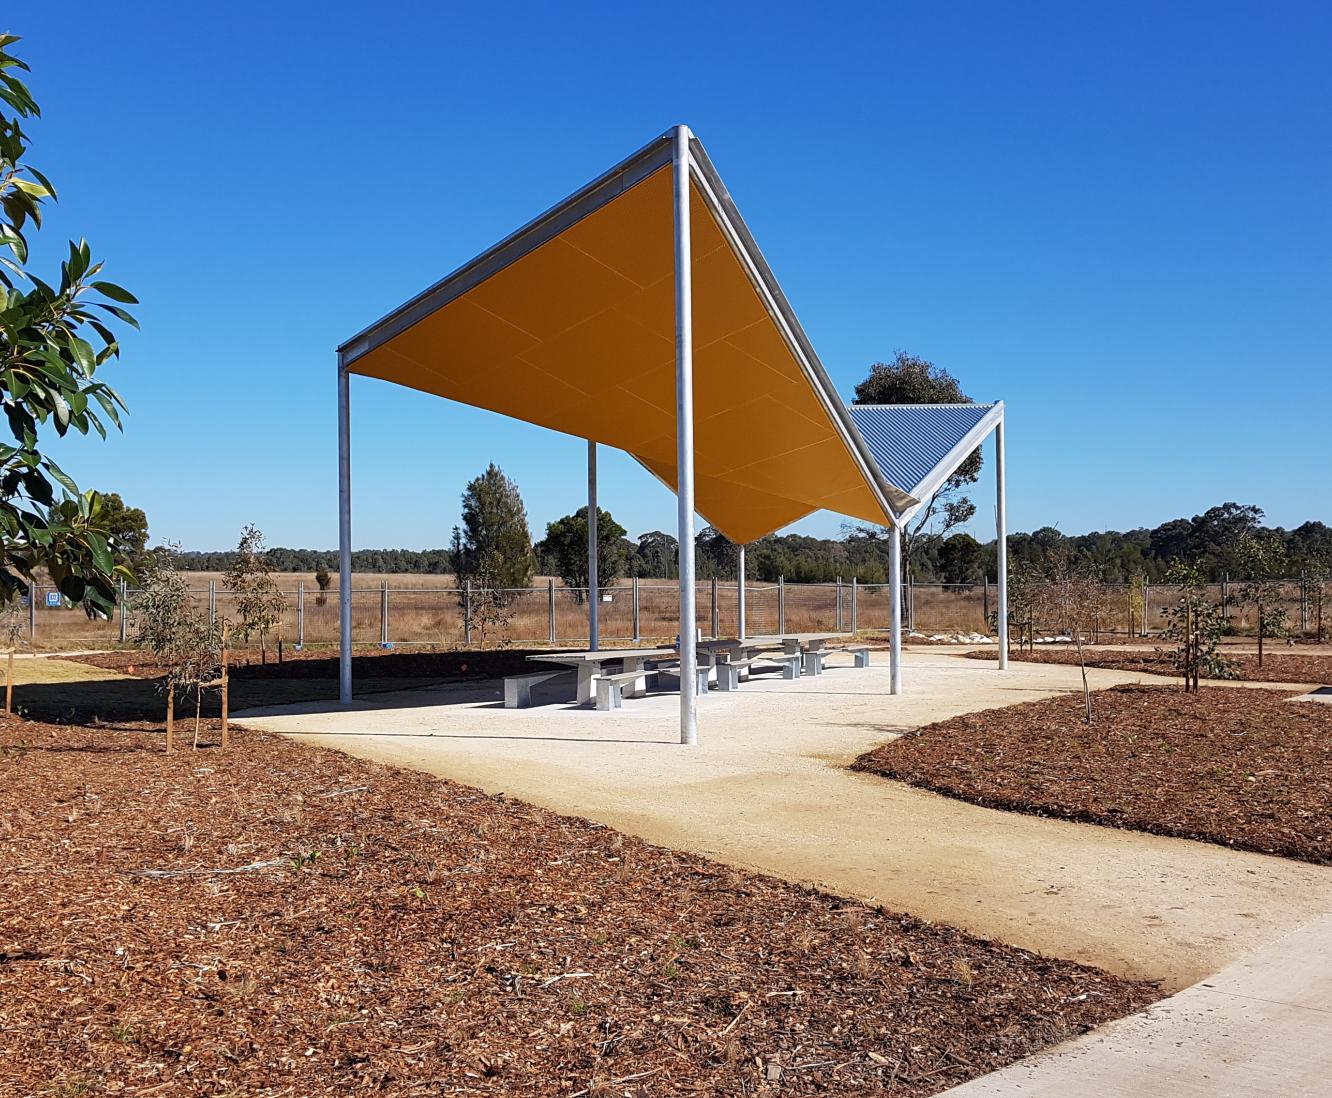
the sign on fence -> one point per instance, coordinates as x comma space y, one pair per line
54, 598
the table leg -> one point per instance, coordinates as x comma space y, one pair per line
587, 678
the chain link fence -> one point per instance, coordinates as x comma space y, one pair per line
394, 612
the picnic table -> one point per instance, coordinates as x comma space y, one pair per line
588, 664
793, 644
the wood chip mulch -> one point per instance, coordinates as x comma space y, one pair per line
1277, 666
1242, 767
285, 920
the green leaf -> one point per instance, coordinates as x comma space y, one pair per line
61, 476
115, 293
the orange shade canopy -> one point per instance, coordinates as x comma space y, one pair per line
570, 324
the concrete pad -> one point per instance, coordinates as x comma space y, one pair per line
767, 790
1322, 694
1259, 1027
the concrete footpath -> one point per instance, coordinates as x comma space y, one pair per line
767, 790
1262, 1026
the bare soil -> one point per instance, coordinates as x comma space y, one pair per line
1243, 768
1280, 666
282, 919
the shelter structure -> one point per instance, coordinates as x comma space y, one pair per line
639, 313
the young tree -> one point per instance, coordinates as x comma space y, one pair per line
324, 581
1263, 559
564, 548
486, 603
13, 627
1070, 597
1194, 623
911, 380
179, 637
47, 365
259, 600
494, 533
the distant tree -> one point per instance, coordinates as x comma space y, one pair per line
1262, 557
494, 533
715, 555
911, 380
129, 526
659, 554
961, 559
564, 548
259, 600
324, 581
47, 367
180, 638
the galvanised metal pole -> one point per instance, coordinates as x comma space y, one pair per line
32, 616
895, 609
344, 539
212, 602
716, 625
740, 597
593, 591
684, 435
1001, 542
638, 620
383, 614
781, 604
124, 608
300, 615
550, 607
855, 610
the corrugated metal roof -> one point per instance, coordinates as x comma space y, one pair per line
910, 440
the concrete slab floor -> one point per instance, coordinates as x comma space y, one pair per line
1259, 1027
767, 789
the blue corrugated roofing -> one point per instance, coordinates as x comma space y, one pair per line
908, 441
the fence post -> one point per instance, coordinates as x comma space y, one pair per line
911, 605
212, 602
300, 614
839, 605
781, 604
985, 604
467, 613
124, 607
1304, 603
32, 615
855, 612
1146, 598
550, 608
638, 621
714, 609
383, 614
1225, 595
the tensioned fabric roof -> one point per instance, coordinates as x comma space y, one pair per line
918, 446
570, 324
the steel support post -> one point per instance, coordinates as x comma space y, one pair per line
684, 434
855, 609
716, 624
593, 589
383, 614
895, 609
1001, 542
638, 620
740, 593
344, 539
124, 611
781, 604
300, 615
550, 608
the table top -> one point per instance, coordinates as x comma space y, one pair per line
602, 655
803, 638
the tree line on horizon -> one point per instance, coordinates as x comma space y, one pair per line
1210, 541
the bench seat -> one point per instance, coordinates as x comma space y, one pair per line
518, 688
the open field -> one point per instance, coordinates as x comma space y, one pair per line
283, 919
1279, 664
1244, 768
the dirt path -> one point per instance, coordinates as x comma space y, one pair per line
767, 790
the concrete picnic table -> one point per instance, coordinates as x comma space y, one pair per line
793, 644
588, 664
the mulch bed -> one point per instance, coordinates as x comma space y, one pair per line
1277, 666
1241, 767
321, 664
286, 920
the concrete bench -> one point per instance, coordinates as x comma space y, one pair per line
610, 689
789, 663
861, 654
729, 672
518, 688
702, 672
814, 660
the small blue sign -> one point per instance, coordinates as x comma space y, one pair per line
53, 598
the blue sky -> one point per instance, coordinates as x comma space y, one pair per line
1113, 217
